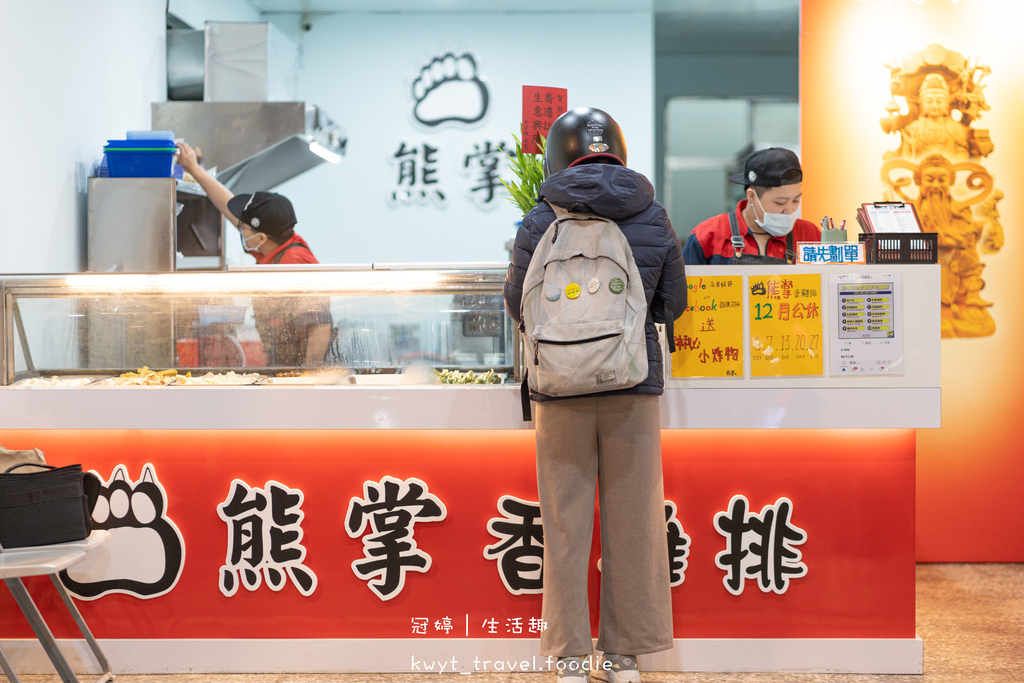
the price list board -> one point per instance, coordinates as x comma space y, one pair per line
868, 338
709, 333
785, 325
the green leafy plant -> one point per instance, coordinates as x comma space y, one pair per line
529, 169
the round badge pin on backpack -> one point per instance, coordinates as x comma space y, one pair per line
552, 293
593, 285
572, 290
617, 285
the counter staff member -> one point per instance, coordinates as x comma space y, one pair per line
295, 331
765, 225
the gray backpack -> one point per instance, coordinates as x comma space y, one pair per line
584, 309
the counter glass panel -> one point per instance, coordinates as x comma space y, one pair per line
295, 322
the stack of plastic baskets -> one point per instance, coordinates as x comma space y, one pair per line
143, 154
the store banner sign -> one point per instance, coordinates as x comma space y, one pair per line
761, 546
145, 555
785, 325
264, 539
418, 178
709, 333
449, 92
383, 518
435, 534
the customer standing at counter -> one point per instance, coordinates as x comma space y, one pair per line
765, 225
295, 332
605, 442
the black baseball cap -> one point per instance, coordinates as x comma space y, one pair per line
769, 167
267, 212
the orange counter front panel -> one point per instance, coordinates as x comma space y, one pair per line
435, 534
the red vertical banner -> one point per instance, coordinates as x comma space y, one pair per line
541, 106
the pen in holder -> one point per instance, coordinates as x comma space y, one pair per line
830, 233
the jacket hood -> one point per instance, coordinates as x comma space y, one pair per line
615, 192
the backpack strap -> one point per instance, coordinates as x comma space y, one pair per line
277, 259
670, 331
524, 397
562, 213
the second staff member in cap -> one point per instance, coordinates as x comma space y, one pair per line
765, 225
295, 331
266, 220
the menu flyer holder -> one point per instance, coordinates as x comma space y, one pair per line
892, 233
888, 217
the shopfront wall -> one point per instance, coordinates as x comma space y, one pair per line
969, 472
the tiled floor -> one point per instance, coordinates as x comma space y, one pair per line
971, 617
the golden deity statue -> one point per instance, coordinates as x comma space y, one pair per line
939, 154
959, 235
934, 130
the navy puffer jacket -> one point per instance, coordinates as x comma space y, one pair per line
626, 197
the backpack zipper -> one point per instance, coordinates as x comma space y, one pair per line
538, 342
577, 341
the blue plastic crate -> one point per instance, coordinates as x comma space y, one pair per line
139, 163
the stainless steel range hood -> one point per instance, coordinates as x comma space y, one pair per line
254, 145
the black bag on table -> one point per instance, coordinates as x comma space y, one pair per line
51, 506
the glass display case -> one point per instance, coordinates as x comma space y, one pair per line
425, 324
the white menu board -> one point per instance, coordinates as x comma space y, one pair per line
866, 332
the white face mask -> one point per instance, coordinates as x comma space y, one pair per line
247, 246
776, 224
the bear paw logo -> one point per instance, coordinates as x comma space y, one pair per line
145, 554
449, 90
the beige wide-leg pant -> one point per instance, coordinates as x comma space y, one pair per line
611, 444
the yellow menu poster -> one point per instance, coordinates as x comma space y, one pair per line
785, 325
709, 333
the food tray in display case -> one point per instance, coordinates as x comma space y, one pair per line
320, 325
59, 381
308, 378
143, 381
221, 379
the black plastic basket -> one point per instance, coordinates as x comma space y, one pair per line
901, 247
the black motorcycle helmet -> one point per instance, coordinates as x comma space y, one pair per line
582, 134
